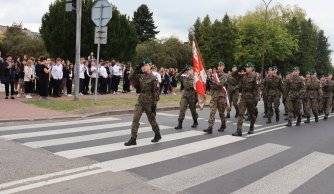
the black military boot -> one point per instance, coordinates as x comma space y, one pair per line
222, 128
265, 115
228, 115
316, 118
179, 126
299, 119
326, 116
208, 130
307, 120
269, 120
332, 110
195, 124
236, 114
289, 124
132, 141
237, 133
156, 138
277, 116
251, 128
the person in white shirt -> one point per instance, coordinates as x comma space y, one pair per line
82, 70
116, 77
57, 76
93, 70
103, 77
156, 73
28, 79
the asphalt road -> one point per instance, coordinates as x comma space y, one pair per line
88, 156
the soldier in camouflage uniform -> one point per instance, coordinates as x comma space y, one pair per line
320, 101
307, 77
295, 91
189, 96
233, 90
248, 100
328, 88
313, 94
218, 98
287, 76
273, 86
265, 95
147, 101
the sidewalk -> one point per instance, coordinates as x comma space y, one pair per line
16, 110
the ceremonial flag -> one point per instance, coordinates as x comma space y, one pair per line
199, 75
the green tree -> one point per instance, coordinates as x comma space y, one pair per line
144, 23
323, 64
17, 43
307, 45
169, 52
205, 42
58, 32
194, 30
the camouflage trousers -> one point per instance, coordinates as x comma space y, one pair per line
248, 104
265, 103
304, 100
294, 107
185, 101
220, 104
312, 105
327, 104
138, 111
320, 105
234, 97
273, 99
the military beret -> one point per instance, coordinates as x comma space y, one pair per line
249, 64
296, 68
221, 63
189, 68
288, 72
312, 72
323, 76
274, 68
234, 65
307, 73
147, 60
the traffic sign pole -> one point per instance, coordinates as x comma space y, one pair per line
77, 51
98, 55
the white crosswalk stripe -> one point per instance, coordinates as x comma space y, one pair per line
292, 176
166, 154
65, 131
196, 175
82, 138
55, 124
120, 146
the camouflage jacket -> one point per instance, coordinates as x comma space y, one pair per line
216, 87
188, 84
295, 87
273, 85
233, 82
249, 86
328, 89
149, 88
313, 88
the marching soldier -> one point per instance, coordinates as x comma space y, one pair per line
233, 90
273, 86
328, 88
248, 100
287, 76
147, 101
218, 98
189, 96
320, 100
313, 94
307, 78
295, 90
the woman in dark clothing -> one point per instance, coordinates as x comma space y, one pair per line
126, 81
69, 73
8, 68
44, 77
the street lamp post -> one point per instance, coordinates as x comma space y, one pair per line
264, 47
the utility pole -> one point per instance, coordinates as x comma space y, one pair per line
264, 47
77, 50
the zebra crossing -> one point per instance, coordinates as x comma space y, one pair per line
179, 152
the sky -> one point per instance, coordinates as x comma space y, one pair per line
173, 17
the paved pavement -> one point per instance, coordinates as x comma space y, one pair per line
89, 157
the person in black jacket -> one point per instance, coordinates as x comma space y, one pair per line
8, 78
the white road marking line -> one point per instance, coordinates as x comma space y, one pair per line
82, 138
166, 154
290, 177
53, 181
54, 124
120, 146
65, 131
185, 179
174, 115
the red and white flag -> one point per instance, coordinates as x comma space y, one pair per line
199, 75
